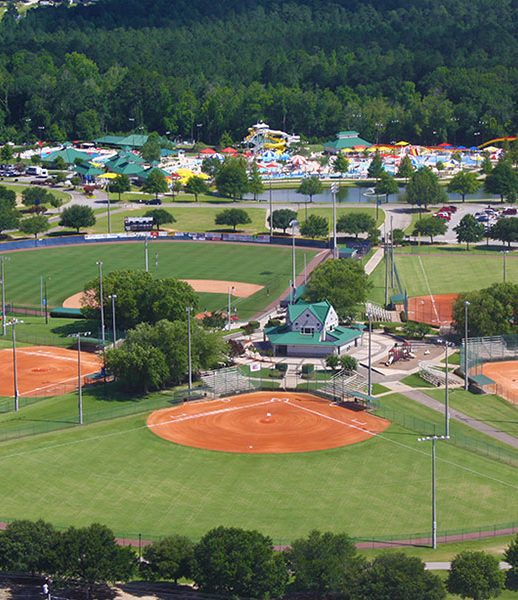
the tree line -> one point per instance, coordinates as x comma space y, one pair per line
426, 71
240, 563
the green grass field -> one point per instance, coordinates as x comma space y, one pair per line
70, 268
120, 473
445, 270
193, 218
18, 188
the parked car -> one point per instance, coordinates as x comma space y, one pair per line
154, 201
509, 211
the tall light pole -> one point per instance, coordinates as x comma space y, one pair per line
99, 263
189, 351
41, 295
293, 224
271, 209
229, 306
369, 360
433, 439
13, 324
334, 190
446, 397
2, 276
504, 266
146, 255
46, 300
109, 212
79, 378
113, 297
466, 375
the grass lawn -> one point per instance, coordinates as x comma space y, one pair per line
340, 210
119, 473
18, 188
488, 408
32, 330
70, 268
378, 388
415, 381
194, 218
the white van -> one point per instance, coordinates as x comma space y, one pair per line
37, 171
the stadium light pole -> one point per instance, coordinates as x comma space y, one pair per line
2, 276
13, 324
446, 396
466, 377
146, 255
271, 209
46, 300
369, 362
99, 263
109, 212
113, 297
433, 439
229, 305
504, 255
293, 224
79, 381
334, 190
189, 350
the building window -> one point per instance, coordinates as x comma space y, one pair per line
307, 330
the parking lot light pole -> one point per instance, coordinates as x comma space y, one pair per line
433, 439
99, 263
466, 330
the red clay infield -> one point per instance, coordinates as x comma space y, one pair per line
265, 423
44, 370
505, 374
434, 310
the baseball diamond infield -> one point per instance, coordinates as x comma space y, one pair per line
265, 423
432, 309
44, 370
504, 374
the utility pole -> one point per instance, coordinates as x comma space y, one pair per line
433, 439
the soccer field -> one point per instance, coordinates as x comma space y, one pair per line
119, 473
68, 269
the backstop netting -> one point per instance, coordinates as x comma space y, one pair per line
491, 349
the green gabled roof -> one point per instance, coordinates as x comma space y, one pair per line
87, 169
128, 169
69, 155
346, 143
349, 133
283, 336
132, 140
319, 309
123, 158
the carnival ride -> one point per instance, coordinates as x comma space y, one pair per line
260, 137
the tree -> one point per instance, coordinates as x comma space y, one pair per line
196, 185
226, 140
7, 197
140, 298
231, 179
6, 153
9, 218
233, 217
424, 189
341, 164
92, 556
155, 183
431, 226
310, 186
376, 167
398, 236
343, 282
505, 230
119, 185
60, 164
171, 557
77, 216
492, 311
464, 183
210, 165
511, 556
150, 151
29, 547
255, 181
348, 362
238, 562
487, 165
34, 225
469, 230
160, 217
34, 196
502, 181
475, 575
355, 222
324, 565
387, 185
138, 368
315, 226
406, 168
332, 361
399, 576
282, 218
55, 201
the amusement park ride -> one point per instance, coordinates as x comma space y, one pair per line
260, 137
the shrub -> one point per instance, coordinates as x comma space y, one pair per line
282, 367
307, 369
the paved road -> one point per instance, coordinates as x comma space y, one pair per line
446, 566
496, 434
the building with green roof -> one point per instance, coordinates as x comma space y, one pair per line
133, 140
68, 154
312, 329
345, 140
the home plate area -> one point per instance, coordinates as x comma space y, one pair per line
265, 423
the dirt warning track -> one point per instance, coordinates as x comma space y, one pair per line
265, 423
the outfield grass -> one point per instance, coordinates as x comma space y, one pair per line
70, 268
120, 473
490, 409
194, 218
340, 210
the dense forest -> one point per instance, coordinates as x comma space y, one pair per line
392, 69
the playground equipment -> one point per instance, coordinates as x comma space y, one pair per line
260, 137
400, 352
